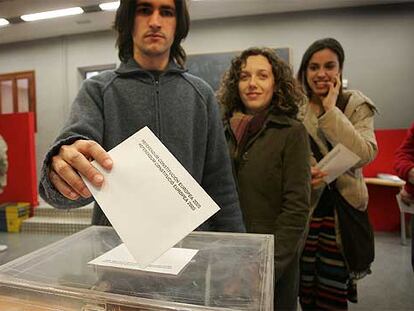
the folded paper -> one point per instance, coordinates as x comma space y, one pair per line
150, 199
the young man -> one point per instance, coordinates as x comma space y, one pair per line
150, 88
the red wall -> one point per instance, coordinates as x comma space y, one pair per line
18, 131
382, 206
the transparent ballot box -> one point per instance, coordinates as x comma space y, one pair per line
231, 271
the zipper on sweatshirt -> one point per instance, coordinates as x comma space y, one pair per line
156, 83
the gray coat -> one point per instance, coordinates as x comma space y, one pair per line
178, 107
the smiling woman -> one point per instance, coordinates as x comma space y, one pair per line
270, 153
256, 84
332, 116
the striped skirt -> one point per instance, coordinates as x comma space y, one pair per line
324, 278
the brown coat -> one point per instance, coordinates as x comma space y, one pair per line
273, 179
355, 130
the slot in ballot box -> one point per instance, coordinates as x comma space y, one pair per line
231, 271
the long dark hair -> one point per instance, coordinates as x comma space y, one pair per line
124, 25
286, 95
319, 45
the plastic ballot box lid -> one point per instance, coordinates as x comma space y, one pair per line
231, 271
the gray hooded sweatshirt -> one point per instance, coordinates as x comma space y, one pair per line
182, 112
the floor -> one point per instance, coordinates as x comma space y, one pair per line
391, 284
389, 287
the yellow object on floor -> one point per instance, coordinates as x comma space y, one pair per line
12, 216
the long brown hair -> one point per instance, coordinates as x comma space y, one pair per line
318, 45
286, 95
124, 25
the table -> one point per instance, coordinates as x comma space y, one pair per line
384, 182
391, 183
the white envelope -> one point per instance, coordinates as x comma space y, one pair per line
171, 262
337, 161
150, 199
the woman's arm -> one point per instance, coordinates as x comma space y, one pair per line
404, 163
291, 223
358, 135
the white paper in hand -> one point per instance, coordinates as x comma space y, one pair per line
150, 199
337, 161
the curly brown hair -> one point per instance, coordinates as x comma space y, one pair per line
286, 95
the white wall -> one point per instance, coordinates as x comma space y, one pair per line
378, 42
88, 50
56, 62
46, 59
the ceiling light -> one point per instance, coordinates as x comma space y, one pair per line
52, 14
4, 22
109, 6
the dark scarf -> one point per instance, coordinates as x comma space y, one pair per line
245, 126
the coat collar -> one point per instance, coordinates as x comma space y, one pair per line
279, 119
356, 99
132, 67
271, 119
310, 121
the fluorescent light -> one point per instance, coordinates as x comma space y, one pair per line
109, 6
52, 14
4, 22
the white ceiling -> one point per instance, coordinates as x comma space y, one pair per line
199, 9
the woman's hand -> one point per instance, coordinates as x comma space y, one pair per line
329, 101
317, 177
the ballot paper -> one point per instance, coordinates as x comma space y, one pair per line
406, 208
337, 161
150, 199
171, 262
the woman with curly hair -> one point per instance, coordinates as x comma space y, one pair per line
270, 153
